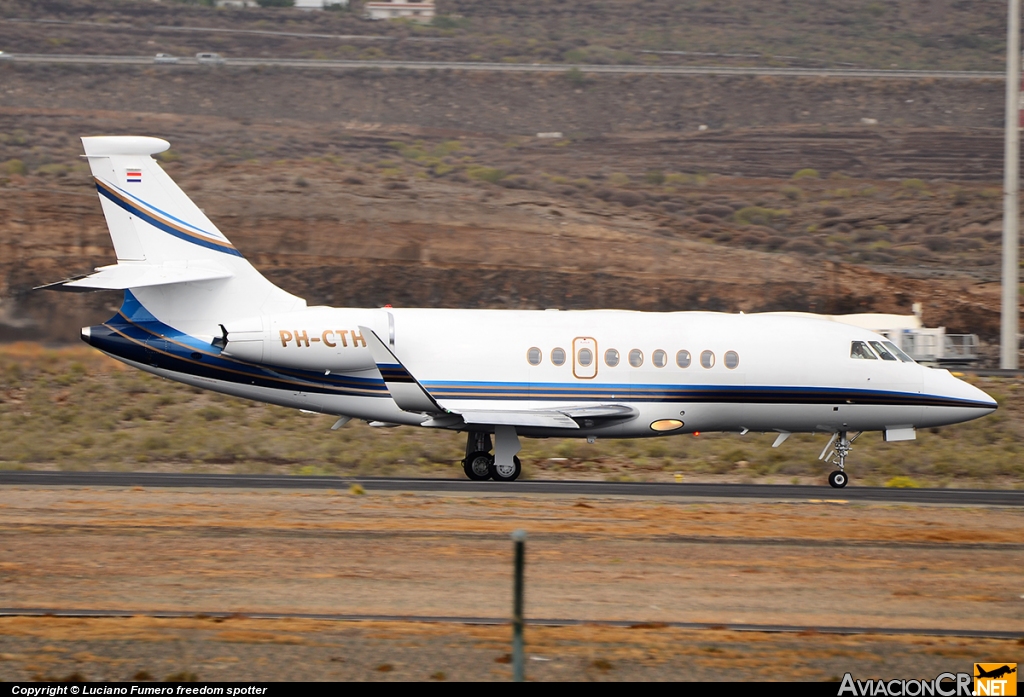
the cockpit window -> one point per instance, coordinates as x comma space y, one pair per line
899, 354
859, 349
881, 351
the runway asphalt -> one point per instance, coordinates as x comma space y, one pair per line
765, 492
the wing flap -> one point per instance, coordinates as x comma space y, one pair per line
531, 419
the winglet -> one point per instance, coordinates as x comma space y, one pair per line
406, 390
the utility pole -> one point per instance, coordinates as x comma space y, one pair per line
518, 669
1011, 194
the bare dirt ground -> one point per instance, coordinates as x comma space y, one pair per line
819, 564
369, 187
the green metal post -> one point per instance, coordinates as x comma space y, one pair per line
519, 540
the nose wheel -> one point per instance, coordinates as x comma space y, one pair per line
836, 451
838, 479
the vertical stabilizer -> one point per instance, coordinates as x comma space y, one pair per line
156, 228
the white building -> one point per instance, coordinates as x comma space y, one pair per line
301, 4
419, 11
319, 4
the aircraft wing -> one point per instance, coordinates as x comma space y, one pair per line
411, 396
406, 390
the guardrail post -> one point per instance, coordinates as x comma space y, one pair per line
519, 542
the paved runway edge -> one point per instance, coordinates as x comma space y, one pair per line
770, 492
499, 621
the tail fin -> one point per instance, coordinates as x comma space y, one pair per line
175, 261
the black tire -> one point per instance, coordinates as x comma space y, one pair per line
478, 466
509, 477
838, 479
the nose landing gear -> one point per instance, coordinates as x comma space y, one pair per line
836, 451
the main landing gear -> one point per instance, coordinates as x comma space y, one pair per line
836, 451
503, 466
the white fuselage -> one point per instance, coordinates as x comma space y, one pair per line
785, 373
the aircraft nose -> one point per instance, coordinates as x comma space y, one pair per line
943, 383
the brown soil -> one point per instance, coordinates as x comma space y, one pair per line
344, 188
588, 558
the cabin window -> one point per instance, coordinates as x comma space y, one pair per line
585, 357
659, 358
683, 359
881, 351
898, 353
636, 358
558, 356
732, 360
707, 359
533, 356
859, 349
611, 358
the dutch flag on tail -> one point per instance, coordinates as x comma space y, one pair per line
133, 176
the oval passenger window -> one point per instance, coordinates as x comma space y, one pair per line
732, 359
707, 359
558, 356
611, 358
683, 359
659, 358
585, 357
533, 356
636, 358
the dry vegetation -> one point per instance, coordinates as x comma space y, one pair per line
75, 409
243, 649
925, 34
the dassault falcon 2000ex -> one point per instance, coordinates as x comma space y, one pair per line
197, 312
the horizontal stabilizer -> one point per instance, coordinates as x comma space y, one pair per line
124, 276
524, 419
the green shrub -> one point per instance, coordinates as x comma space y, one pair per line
807, 173
487, 174
450, 22
52, 170
15, 167
902, 482
793, 193
756, 215
915, 185
575, 76
655, 177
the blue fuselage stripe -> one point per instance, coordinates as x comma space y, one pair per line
157, 344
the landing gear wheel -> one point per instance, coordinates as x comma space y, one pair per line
478, 466
838, 479
505, 473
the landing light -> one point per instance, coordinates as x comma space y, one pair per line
666, 425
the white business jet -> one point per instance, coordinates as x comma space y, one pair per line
197, 312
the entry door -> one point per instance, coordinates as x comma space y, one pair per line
584, 357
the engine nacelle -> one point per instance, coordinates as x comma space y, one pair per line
318, 338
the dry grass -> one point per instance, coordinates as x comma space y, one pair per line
73, 408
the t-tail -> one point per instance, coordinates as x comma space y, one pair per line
173, 263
